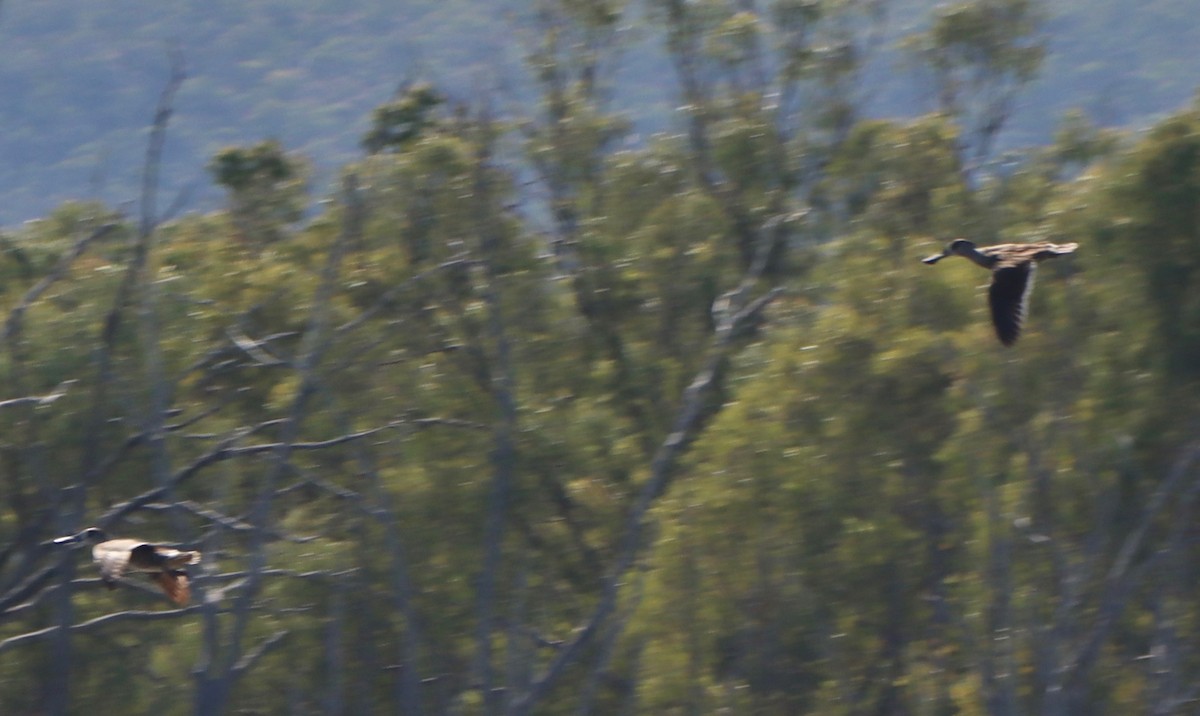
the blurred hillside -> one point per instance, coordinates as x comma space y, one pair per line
79, 79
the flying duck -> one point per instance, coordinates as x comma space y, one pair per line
165, 565
1012, 267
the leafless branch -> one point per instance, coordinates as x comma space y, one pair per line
1124, 575
116, 617
206, 362
27, 589
206, 413
59, 391
218, 670
158, 136
502, 388
230, 523
252, 657
441, 422
392, 293
309, 480
253, 348
226, 450
687, 421
378, 506
319, 574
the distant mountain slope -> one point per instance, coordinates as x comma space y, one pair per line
79, 79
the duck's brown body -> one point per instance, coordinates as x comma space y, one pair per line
165, 565
1012, 267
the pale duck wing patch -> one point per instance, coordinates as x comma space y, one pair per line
112, 561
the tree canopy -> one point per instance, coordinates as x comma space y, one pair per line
531, 415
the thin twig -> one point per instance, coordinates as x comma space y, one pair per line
59, 391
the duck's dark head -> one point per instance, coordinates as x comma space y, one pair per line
958, 247
92, 535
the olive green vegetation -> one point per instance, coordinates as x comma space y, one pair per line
875, 507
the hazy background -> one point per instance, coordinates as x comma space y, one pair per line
78, 79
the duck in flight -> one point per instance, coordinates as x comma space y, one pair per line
165, 565
1012, 267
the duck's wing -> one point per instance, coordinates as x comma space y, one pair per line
1007, 296
113, 558
1047, 251
175, 558
175, 585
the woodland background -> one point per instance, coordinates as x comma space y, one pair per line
614, 389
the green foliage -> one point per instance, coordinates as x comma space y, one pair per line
266, 189
981, 54
982, 38
397, 123
238, 169
883, 510
1140, 210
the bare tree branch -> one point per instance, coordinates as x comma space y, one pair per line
253, 348
216, 673
252, 657
74, 496
115, 617
1124, 575
39, 400
378, 506
152, 166
226, 450
224, 521
503, 456
389, 296
687, 421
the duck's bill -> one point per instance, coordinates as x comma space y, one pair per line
934, 259
69, 539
